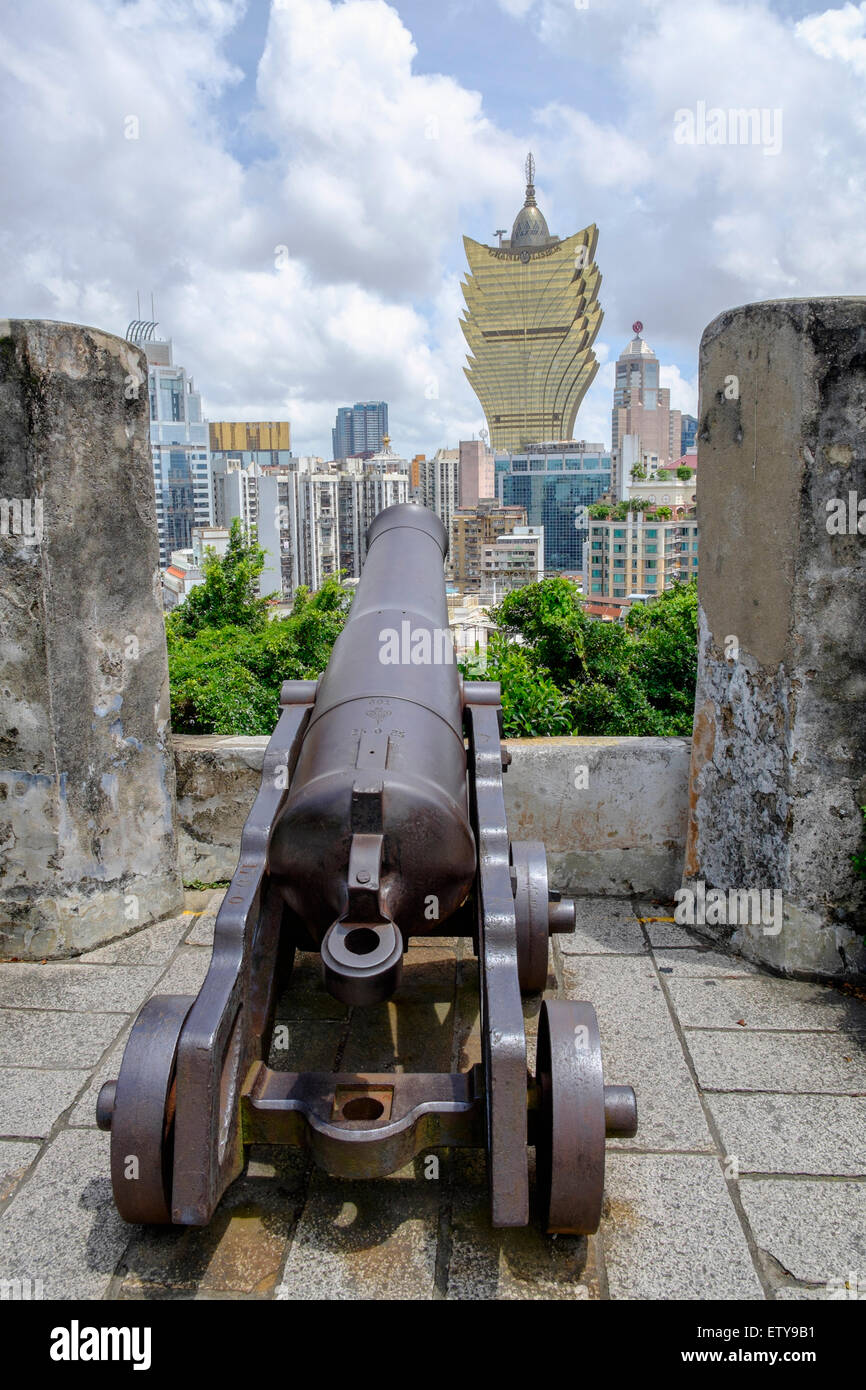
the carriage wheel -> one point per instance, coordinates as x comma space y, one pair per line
570, 1123
139, 1109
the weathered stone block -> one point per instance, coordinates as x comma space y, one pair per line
87, 846
778, 772
611, 811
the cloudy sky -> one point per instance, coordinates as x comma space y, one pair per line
292, 180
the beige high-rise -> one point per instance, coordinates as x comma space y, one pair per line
532, 314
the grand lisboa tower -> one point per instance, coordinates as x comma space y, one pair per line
532, 314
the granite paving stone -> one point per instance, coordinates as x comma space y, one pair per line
640, 1048
739, 1060
153, 945
185, 974
815, 1230
67, 985
764, 1003
15, 1159
32, 1101
700, 962
62, 1226
48, 1038
364, 1240
671, 1231
793, 1134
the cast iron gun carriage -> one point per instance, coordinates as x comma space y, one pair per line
380, 816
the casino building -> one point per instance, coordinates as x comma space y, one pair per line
532, 315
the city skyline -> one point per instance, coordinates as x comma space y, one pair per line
308, 247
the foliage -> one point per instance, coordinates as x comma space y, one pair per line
663, 513
598, 511
228, 596
684, 473
561, 672
226, 679
565, 673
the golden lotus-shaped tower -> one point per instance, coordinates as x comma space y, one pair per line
532, 313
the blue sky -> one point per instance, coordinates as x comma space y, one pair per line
303, 171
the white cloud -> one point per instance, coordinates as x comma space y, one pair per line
837, 34
370, 170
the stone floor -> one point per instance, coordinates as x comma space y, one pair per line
747, 1179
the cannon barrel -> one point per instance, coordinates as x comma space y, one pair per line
374, 843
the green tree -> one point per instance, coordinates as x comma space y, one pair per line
663, 513
228, 596
684, 473
598, 511
548, 618
226, 679
563, 672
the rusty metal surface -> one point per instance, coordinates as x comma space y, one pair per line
139, 1109
227, 1027
363, 1125
370, 810
502, 1029
570, 1120
532, 910
390, 733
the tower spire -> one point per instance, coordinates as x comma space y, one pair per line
530, 181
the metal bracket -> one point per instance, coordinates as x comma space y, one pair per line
505, 1074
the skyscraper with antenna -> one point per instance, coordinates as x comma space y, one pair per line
532, 315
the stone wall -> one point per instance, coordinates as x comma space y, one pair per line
779, 753
611, 811
87, 847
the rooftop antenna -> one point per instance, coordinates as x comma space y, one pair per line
152, 309
500, 232
530, 180
138, 301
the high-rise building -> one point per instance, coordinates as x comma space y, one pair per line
313, 522
439, 484
640, 555
360, 429
179, 444
474, 528
512, 560
250, 436
555, 483
688, 434
476, 472
641, 406
532, 314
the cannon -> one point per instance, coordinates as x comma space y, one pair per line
380, 817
